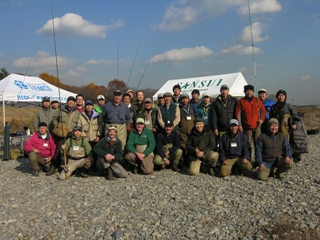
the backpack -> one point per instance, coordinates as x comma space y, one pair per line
298, 136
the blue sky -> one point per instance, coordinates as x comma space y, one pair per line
179, 39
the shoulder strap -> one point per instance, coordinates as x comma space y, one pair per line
71, 117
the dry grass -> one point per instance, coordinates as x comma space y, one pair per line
312, 117
18, 117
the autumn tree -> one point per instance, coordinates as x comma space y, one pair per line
113, 85
3, 73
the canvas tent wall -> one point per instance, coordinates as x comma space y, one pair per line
211, 84
19, 88
29, 89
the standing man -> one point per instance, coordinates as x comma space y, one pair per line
131, 94
55, 104
40, 148
223, 111
91, 123
117, 113
133, 111
250, 114
140, 148
169, 112
149, 114
195, 98
273, 150
101, 101
234, 150
267, 105
168, 148
109, 152
45, 114
205, 110
139, 100
201, 147
176, 94
80, 103
188, 113
160, 100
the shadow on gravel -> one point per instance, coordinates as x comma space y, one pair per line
287, 231
24, 166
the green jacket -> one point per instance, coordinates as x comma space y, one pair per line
103, 147
62, 115
153, 117
78, 142
145, 138
204, 141
44, 115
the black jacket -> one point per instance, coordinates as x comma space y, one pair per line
221, 115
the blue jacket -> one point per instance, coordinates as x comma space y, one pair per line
206, 113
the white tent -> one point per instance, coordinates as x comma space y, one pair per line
18, 88
211, 84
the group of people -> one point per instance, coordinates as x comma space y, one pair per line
130, 134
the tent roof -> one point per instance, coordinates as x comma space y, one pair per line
19, 88
211, 84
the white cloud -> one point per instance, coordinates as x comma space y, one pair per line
305, 77
189, 12
73, 25
260, 6
176, 55
257, 28
42, 61
100, 62
241, 50
75, 73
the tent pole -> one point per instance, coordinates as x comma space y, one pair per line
3, 109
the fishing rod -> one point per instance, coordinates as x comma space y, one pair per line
143, 75
134, 61
254, 58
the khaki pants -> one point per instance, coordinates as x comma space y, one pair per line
122, 132
146, 165
74, 165
174, 158
36, 160
116, 168
225, 170
211, 158
280, 164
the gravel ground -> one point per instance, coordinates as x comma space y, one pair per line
165, 205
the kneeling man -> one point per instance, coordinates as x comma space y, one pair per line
140, 146
109, 152
78, 152
40, 148
168, 147
273, 150
234, 149
201, 146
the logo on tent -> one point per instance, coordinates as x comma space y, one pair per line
20, 84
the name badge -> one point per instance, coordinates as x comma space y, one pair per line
234, 145
146, 121
188, 118
205, 117
45, 144
76, 148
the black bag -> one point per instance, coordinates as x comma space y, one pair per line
298, 136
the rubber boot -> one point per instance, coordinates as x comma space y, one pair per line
109, 174
51, 171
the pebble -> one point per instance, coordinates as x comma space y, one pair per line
165, 205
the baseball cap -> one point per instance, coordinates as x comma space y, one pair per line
160, 95
224, 86
184, 95
198, 120
168, 124
147, 100
42, 124
167, 94
77, 127
112, 127
100, 97
71, 98
130, 90
206, 94
46, 99
89, 102
233, 122
117, 92
54, 100
248, 87
139, 120
272, 121
262, 90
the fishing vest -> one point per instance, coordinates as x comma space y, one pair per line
272, 147
77, 152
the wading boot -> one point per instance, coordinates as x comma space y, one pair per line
109, 174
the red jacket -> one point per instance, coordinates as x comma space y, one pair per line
46, 146
247, 113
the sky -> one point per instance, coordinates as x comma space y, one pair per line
145, 43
